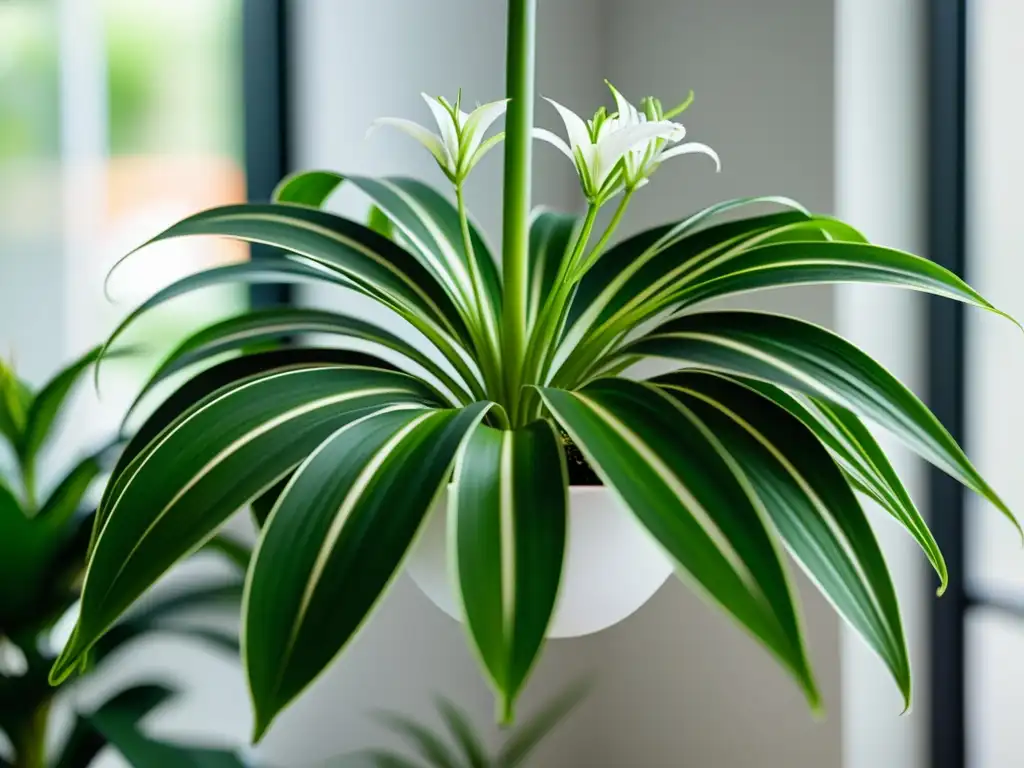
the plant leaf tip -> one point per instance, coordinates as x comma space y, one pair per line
259, 728
506, 712
817, 707
60, 671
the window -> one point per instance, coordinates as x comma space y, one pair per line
118, 118
976, 369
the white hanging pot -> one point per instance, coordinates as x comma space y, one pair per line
612, 564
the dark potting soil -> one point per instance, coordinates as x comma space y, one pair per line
580, 472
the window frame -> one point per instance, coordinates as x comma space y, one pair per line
267, 98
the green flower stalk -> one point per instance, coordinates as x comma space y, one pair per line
519, 72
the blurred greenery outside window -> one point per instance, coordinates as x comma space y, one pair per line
173, 126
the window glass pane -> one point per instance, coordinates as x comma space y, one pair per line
174, 121
30, 220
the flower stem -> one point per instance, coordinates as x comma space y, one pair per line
598, 249
543, 340
522, 23
542, 337
489, 343
28, 481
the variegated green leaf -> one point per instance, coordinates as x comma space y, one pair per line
862, 460
810, 504
692, 496
202, 387
632, 266
367, 261
335, 540
644, 266
807, 358
429, 224
508, 522
793, 263
178, 490
273, 324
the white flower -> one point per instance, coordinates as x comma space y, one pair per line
459, 144
620, 151
643, 159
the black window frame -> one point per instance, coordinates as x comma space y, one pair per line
267, 98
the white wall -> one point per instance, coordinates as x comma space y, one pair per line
994, 371
880, 99
678, 684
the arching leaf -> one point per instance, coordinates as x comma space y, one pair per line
181, 487
508, 523
335, 540
809, 502
685, 489
806, 358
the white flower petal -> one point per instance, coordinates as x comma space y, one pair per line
429, 140
445, 125
628, 114
575, 128
478, 122
690, 148
554, 140
611, 148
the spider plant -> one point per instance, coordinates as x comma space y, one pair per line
43, 543
755, 443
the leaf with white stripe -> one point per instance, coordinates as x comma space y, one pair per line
428, 223
273, 324
692, 496
334, 542
811, 504
639, 269
807, 358
368, 261
508, 528
203, 386
175, 494
862, 459
798, 263
636, 263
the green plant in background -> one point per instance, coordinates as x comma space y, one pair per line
757, 442
44, 540
460, 746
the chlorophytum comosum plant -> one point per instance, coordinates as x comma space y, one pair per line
756, 444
